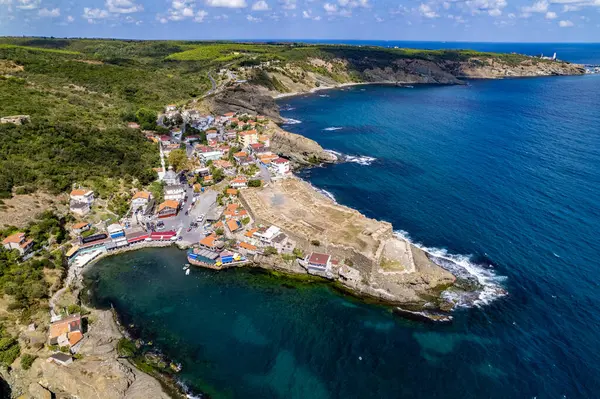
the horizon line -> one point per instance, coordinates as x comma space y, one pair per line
286, 40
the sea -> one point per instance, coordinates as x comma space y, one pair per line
499, 179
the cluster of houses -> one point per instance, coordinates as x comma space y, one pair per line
66, 334
235, 224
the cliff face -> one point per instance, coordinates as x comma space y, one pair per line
244, 98
318, 73
299, 149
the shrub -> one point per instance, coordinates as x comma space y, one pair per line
316, 243
270, 251
254, 183
27, 360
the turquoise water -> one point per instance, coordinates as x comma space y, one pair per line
500, 176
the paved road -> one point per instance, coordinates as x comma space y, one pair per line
181, 222
264, 173
213, 84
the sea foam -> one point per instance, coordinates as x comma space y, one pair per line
332, 128
463, 267
290, 121
359, 159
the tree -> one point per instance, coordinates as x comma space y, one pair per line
219, 231
270, 251
156, 189
146, 118
316, 243
298, 253
254, 183
178, 159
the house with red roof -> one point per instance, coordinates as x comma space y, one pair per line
19, 242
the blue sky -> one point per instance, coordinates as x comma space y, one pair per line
444, 20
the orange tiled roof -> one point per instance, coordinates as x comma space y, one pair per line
231, 208
240, 154
14, 238
245, 245
141, 194
233, 225
231, 191
209, 241
250, 233
168, 204
239, 179
248, 132
79, 191
75, 337
80, 225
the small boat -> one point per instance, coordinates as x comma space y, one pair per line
187, 272
186, 266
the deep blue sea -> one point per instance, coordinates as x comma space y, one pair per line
501, 176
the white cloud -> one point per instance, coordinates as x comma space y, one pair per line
260, 6
565, 24
28, 4
288, 4
70, 18
426, 11
537, 7
123, 6
492, 7
379, 19
180, 10
94, 14
200, 15
227, 3
568, 8
551, 15
354, 3
307, 14
252, 19
330, 8
446, 5
46, 13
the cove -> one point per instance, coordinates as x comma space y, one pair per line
244, 333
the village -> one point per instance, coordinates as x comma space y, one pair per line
199, 209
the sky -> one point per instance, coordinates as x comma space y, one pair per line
425, 20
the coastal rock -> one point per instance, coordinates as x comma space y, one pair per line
297, 148
244, 98
100, 373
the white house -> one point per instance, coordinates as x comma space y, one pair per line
239, 182
281, 166
266, 237
171, 178
80, 208
210, 156
319, 262
82, 195
140, 199
174, 192
19, 242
